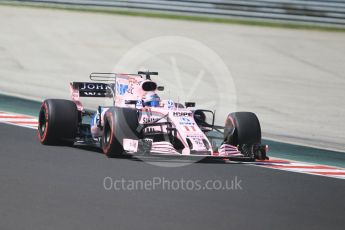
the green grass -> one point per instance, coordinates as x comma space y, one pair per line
305, 154
117, 11
19, 105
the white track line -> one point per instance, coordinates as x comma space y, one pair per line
19, 120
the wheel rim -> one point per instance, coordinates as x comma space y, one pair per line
107, 138
42, 122
107, 135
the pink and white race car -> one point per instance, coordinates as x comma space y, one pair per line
139, 123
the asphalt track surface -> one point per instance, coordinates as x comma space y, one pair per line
45, 187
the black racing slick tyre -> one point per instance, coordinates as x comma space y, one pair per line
57, 122
242, 128
119, 123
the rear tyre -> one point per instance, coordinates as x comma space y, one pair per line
57, 122
119, 123
242, 128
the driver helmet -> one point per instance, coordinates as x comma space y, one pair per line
151, 99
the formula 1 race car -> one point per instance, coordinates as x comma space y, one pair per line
140, 123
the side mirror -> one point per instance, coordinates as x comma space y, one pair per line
189, 104
160, 88
204, 118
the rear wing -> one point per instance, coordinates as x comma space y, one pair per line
110, 77
109, 85
89, 89
98, 88
92, 89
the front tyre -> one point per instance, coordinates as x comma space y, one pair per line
111, 146
57, 122
242, 128
119, 123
